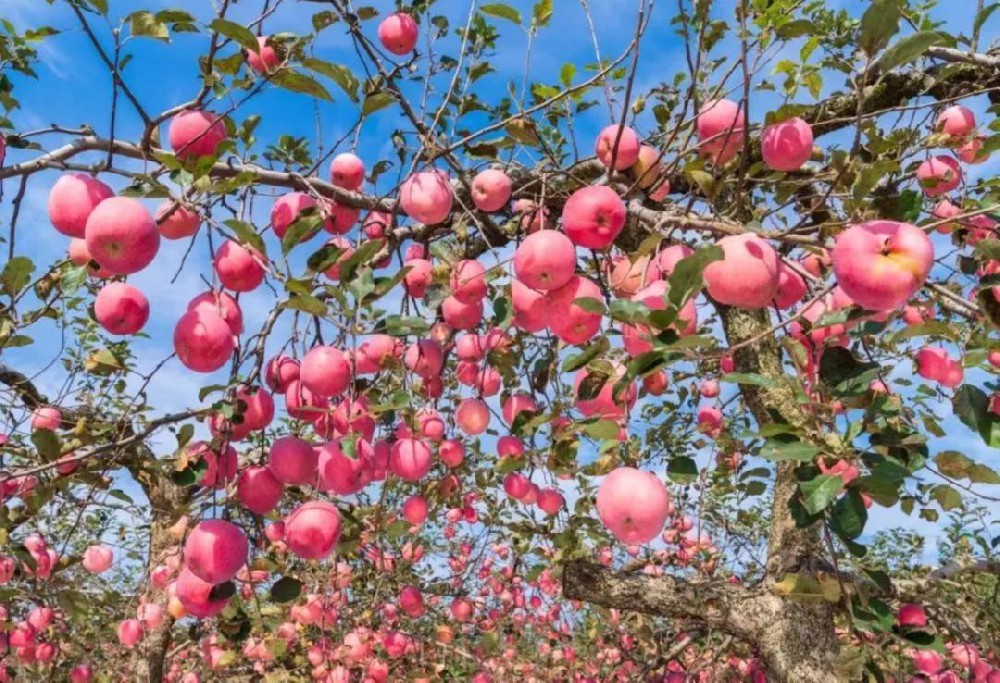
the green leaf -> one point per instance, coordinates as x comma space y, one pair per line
339, 73
566, 74
972, 406
499, 9
795, 29
947, 497
375, 102
590, 305
982, 474
324, 258
146, 24
246, 234
16, 274
594, 350
686, 279
777, 451
839, 369
286, 589
682, 469
602, 430
908, 49
627, 311
307, 304
361, 256
404, 326
305, 227
879, 23
819, 492
849, 515
542, 12
241, 34
984, 15
953, 464
47, 443
295, 81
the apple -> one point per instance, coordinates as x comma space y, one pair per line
605, 404
121, 309
935, 363
545, 260
97, 559
472, 416
747, 276
196, 134
971, 151
325, 371
219, 303
122, 236
196, 596
550, 501
956, 121
203, 341
410, 459
411, 601
721, 129
509, 446
573, 324
593, 216
129, 633
344, 475
532, 218
347, 171
451, 452
418, 277
46, 418
177, 223
415, 509
80, 256
646, 169
292, 461
516, 404
287, 209
239, 268
426, 197
215, 550
265, 58
398, 33
281, 371
491, 190
786, 146
881, 264
633, 505
939, 175
424, 358
666, 261
72, 199
627, 143
912, 615
259, 490
468, 281
312, 529
791, 287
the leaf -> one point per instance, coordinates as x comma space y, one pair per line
953, 464
795, 29
566, 74
361, 256
237, 32
542, 13
286, 589
908, 49
246, 234
146, 24
591, 385
590, 305
982, 474
375, 102
47, 443
972, 407
879, 23
947, 497
799, 451
16, 274
307, 304
849, 515
305, 227
404, 326
593, 350
339, 73
295, 81
324, 257
602, 430
682, 469
806, 588
839, 369
819, 492
983, 16
499, 9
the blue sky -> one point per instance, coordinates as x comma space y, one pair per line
74, 87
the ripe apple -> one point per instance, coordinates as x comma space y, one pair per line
627, 143
721, 128
196, 133
121, 309
426, 197
203, 341
72, 199
258, 490
215, 550
633, 505
545, 260
939, 175
292, 461
747, 276
398, 33
122, 236
491, 190
881, 264
593, 216
177, 223
265, 58
239, 268
786, 146
347, 171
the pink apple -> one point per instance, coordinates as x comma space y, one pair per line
424, 358
721, 128
219, 303
491, 190
292, 461
46, 418
791, 287
72, 199
122, 236
939, 175
574, 325
281, 371
912, 615
345, 475
971, 151
530, 307
287, 209
312, 530
461, 316
935, 363
545, 260
415, 509
418, 277
265, 58
130, 633
398, 33
517, 404
196, 134
258, 490
666, 261
468, 281
97, 559
203, 341
426, 197
550, 501
605, 404
347, 171
121, 309
646, 169
786, 146
472, 416
411, 601
881, 264
215, 550
451, 452
80, 256
239, 268
956, 121
410, 459
196, 596
177, 223
633, 505
325, 371
627, 144
593, 217
747, 276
